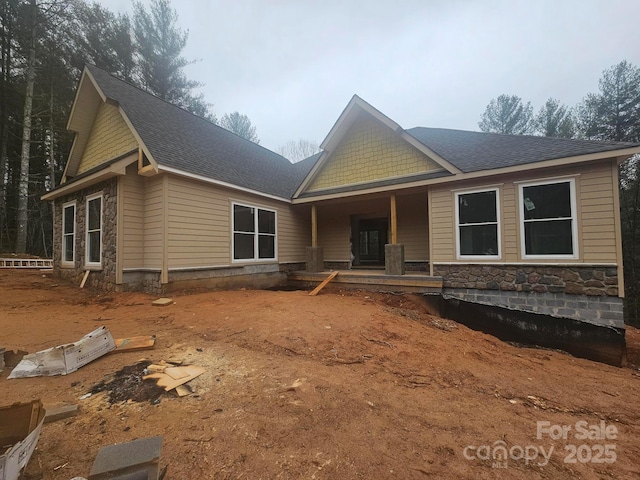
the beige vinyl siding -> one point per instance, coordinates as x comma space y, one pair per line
199, 224
334, 232
509, 228
595, 190
413, 226
153, 223
294, 233
133, 218
442, 226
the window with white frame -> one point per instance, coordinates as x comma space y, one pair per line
548, 226
69, 233
93, 222
254, 233
478, 223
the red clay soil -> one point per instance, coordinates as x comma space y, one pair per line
344, 385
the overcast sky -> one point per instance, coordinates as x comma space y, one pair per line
292, 66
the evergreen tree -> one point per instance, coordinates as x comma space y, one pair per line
159, 44
507, 114
555, 120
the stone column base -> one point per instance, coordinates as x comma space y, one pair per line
394, 259
315, 259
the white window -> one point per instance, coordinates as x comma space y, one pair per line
93, 226
69, 233
478, 224
254, 233
548, 227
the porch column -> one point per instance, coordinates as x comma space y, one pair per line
314, 253
314, 225
394, 252
394, 220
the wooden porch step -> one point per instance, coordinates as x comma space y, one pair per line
411, 282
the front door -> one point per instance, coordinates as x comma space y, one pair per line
369, 236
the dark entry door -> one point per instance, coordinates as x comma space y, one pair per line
369, 239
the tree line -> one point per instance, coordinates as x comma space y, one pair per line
612, 113
44, 45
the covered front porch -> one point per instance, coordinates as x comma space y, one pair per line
375, 234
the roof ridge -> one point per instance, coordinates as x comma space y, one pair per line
142, 90
511, 135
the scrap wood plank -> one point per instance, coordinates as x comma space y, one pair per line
143, 342
84, 279
323, 284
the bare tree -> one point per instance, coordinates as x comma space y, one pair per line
240, 125
23, 186
296, 150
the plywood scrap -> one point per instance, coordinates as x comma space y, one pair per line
143, 342
162, 302
183, 390
185, 372
323, 284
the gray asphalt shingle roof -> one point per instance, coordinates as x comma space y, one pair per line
186, 142
181, 140
474, 151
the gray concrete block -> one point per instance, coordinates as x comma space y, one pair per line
60, 412
136, 460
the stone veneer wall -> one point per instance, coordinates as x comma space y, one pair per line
104, 279
587, 293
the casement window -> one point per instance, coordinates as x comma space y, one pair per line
548, 227
254, 233
93, 223
478, 224
69, 233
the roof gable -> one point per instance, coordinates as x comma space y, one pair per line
110, 138
180, 142
420, 159
368, 152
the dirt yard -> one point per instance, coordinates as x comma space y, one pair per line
344, 385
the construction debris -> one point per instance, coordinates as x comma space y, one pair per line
20, 426
144, 342
60, 412
162, 302
11, 358
64, 359
323, 284
84, 278
132, 460
169, 376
